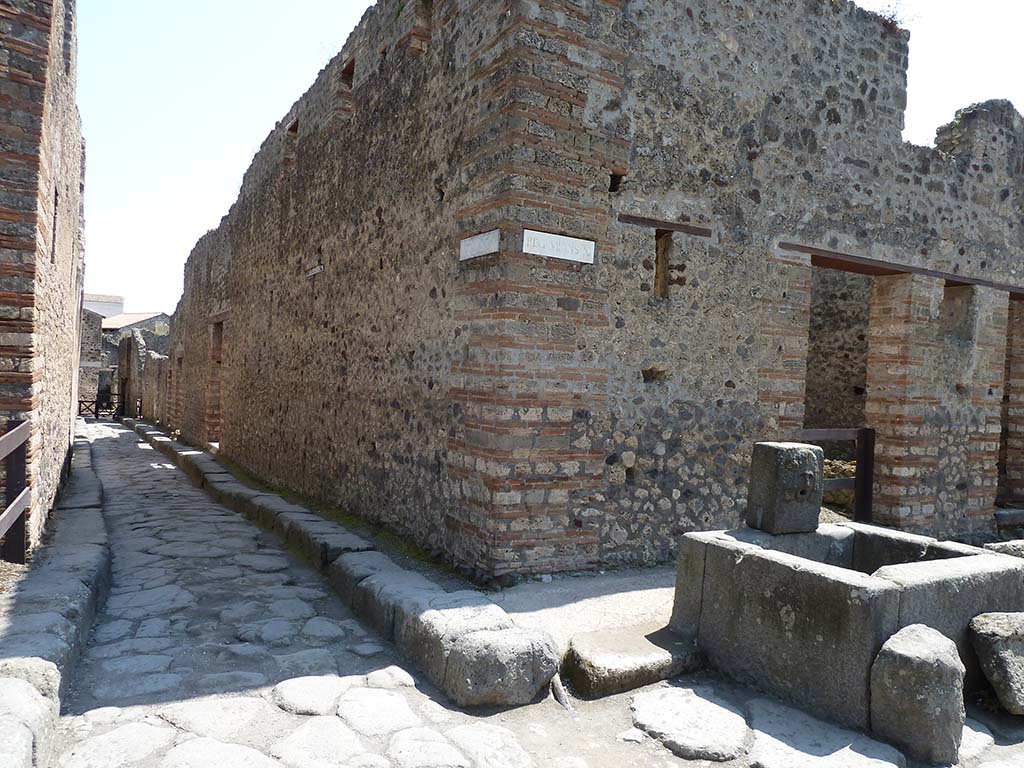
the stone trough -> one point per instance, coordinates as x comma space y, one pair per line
804, 615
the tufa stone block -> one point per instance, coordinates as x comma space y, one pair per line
786, 484
998, 639
917, 695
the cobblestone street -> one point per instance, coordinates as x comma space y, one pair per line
218, 647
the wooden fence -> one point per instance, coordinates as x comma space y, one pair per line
14, 453
863, 484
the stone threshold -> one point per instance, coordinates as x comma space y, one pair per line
466, 645
46, 619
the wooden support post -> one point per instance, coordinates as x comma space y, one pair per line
863, 494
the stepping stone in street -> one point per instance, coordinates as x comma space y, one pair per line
124, 745
424, 748
491, 746
694, 723
320, 741
314, 695
205, 752
373, 712
787, 738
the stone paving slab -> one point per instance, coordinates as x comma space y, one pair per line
259, 682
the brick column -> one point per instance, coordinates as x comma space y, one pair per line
1011, 488
984, 381
785, 337
902, 340
935, 382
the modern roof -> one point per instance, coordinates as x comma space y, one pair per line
117, 322
102, 297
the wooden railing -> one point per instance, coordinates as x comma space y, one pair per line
14, 453
863, 483
106, 406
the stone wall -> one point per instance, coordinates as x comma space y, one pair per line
837, 357
154, 374
527, 413
91, 356
40, 235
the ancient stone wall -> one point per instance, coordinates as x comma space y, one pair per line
91, 357
132, 360
525, 404
199, 330
40, 236
154, 374
837, 355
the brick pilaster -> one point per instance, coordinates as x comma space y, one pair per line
1011, 489
901, 340
784, 339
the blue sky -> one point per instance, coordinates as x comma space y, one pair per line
175, 104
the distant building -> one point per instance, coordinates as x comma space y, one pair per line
156, 322
103, 305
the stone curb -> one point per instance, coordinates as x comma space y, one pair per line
425, 622
46, 622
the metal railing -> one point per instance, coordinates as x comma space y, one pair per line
863, 483
14, 453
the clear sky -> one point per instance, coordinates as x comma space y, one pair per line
176, 102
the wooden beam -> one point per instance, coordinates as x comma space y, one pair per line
672, 226
845, 262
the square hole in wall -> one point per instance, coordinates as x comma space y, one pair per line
348, 73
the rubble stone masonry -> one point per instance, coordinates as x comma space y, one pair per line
376, 324
41, 172
91, 356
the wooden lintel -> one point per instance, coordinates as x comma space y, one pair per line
671, 226
845, 262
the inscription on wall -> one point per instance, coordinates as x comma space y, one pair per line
558, 246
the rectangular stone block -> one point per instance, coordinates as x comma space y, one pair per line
689, 584
804, 631
786, 485
947, 594
427, 627
347, 571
